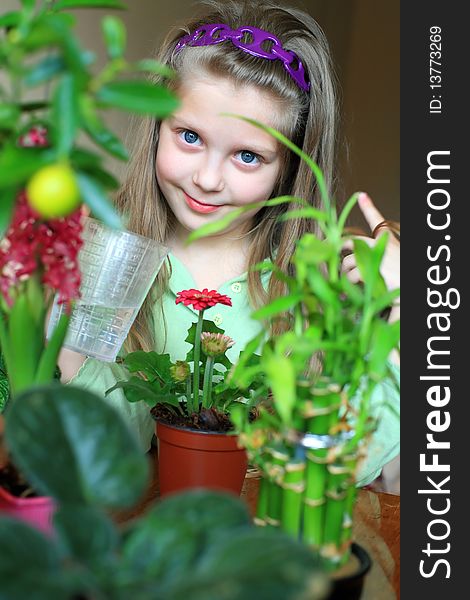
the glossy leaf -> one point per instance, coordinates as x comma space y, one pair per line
138, 96
93, 541
65, 114
99, 462
137, 389
101, 207
28, 561
18, 164
153, 365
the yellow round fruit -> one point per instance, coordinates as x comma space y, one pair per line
53, 191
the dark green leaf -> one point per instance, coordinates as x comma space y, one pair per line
155, 366
67, 4
115, 36
170, 539
99, 462
139, 97
65, 114
101, 207
254, 564
28, 561
46, 69
93, 541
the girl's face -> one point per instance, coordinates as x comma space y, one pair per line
208, 164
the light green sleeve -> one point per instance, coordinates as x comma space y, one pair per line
96, 376
384, 444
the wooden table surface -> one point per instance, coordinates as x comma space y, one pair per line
376, 528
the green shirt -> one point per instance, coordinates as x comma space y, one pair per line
237, 323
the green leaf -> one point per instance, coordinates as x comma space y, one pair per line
115, 36
46, 69
277, 306
312, 251
151, 65
137, 389
48, 361
68, 4
153, 365
65, 114
385, 338
101, 207
93, 542
100, 461
7, 202
9, 115
29, 563
98, 132
138, 96
282, 378
24, 333
18, 164
10, 19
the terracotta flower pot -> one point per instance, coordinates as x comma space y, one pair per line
188, 458
37, 512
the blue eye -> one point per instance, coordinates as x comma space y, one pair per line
248, 157
190, 137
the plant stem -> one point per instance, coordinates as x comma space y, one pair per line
293, 489
197, 353
207, 385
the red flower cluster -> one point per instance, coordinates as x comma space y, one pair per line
49, 247
202, 299
36, 137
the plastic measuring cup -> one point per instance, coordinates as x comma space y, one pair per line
118, 269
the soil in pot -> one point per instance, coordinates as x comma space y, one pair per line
348, 581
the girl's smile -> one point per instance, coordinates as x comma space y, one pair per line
208, 163
200, 207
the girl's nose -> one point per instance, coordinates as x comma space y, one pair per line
208, 177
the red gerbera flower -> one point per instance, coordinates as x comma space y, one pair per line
202, 299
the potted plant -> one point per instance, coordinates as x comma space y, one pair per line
199, 545
319, 377
46, 175
191, 401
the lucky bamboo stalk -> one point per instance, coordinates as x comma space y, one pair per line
293, 486
275, 472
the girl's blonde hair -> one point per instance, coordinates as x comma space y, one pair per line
310, 121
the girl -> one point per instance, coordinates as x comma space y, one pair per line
270, 63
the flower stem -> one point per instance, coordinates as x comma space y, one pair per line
207, 385
197, 354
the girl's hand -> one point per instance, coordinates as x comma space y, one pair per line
390, 268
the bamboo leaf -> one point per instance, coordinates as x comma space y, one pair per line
281, 376
138, 96
277, 306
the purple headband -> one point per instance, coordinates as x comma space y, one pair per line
204, 36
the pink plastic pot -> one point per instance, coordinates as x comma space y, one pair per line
37, 512
189, 459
